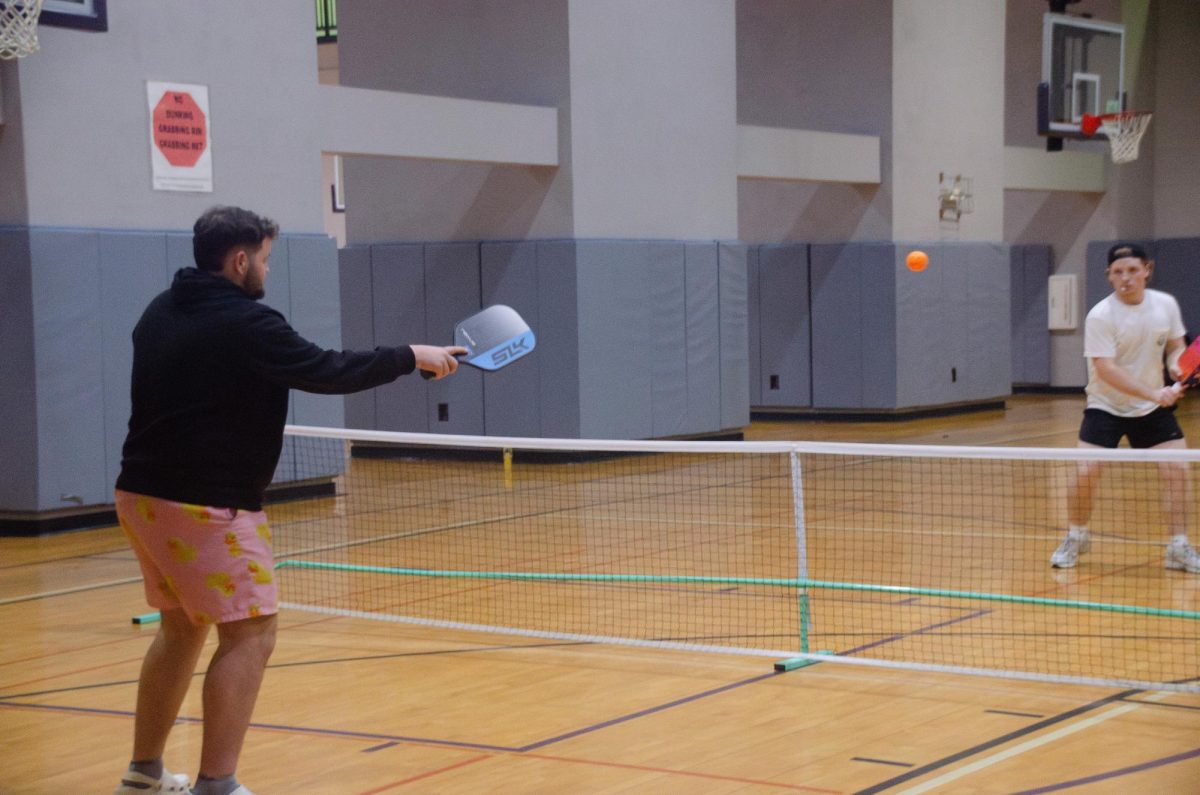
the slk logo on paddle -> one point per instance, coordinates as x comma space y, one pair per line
513, 350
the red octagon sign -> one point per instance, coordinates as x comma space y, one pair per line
180, 128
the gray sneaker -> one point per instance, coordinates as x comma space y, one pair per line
1067, 554
1182, 557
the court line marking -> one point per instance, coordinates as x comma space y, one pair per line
1028, 745
65, 591
426, 774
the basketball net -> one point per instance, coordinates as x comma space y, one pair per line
18, 27
1124, 131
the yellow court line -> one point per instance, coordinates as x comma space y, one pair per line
1028, 745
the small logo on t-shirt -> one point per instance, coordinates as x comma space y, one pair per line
1162, 340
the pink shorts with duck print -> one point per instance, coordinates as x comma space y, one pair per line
214, 563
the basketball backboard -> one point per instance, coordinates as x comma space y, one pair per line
1083, 72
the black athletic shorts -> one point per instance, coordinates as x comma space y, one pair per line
1105, 430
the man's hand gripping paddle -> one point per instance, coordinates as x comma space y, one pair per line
494, 337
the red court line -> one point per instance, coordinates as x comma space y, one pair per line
430, 773
689, 773
1058, 587
427, 774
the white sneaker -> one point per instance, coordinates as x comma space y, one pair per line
1067, 554
1182, 557
133, 783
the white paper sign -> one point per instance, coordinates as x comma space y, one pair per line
180, 137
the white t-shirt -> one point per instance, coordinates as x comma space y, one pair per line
1134, 337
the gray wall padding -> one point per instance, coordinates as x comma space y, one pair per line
1177, 271
667, 296
617, 354
68, 345
754, 321
511, 396
179, 253
358, 318
885, 337
636, 339
734, 335
69, 300
985, 369
782, 327
133, 269
452, 292
836, 277
314, 304
954, 321
877, 302
314, 308
1030, 270
398, 309
703, 327
1019, 309
278, 296
18, 389
558, 333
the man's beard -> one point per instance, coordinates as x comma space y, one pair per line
256, 291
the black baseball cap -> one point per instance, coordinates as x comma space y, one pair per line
1122, 250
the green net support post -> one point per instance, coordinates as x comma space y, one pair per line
792, 663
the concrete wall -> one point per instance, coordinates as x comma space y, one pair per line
653, 124
815, 65
86, 153
1175, 143
948, 108
499, 52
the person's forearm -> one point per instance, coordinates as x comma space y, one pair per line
1117, 377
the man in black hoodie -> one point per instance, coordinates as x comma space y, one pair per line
212, 367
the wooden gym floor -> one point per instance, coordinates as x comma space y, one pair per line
356, 707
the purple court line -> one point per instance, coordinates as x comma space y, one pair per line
384, 738
644, 712
966, 753
1016, 714
921, 631
1124, 771
393, 738
880, 761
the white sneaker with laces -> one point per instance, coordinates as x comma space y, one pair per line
1182, 557
1067, 554
133, 783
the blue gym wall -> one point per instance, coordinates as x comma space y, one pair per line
71, 300
636, 339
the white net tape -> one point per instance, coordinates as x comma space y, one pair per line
1124, 133
18, 27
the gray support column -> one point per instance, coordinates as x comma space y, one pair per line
947, 114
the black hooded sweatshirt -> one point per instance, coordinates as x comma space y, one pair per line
211, 372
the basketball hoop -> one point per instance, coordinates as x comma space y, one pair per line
18, 27
1124, 131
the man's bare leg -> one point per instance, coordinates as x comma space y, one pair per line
166, 674
231, 689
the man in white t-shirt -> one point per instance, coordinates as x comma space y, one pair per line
1127, 338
